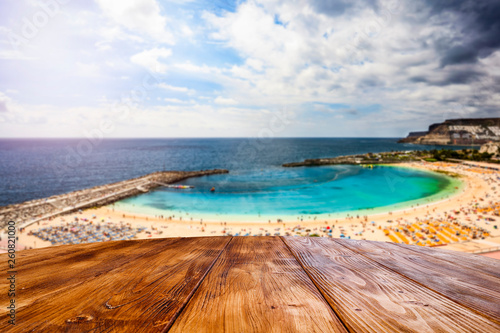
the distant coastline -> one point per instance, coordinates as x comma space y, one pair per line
360, 159
458, 132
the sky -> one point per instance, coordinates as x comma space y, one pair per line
255, 68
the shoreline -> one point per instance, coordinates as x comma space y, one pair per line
477, 187
439, 197
32, 211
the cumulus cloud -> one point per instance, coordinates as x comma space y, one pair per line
3, 106
477, 33
332, 62
150, 59
174, 88
362, 52
4, 101
224, 101
138, 16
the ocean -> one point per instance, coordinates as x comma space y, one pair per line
38, 168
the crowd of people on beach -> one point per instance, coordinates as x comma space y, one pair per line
78, 232
468, 220
465, 223
431, 232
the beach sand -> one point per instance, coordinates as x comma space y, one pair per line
481, 187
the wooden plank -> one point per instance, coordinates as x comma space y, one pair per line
369, 297
257, 286
473, 289
143, 295
37, 277
472, 262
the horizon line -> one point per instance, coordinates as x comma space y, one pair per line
206, 137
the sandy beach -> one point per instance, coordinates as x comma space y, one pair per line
481, 189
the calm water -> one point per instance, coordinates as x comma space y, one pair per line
34, 168
289, 193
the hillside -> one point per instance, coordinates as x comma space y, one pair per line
458, 132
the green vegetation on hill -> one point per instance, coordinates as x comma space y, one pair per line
434, 155
466, 154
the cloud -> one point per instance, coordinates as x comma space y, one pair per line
450, 77
350, 111
4, 101
411, 62
177, 101
173, 88
225, 101
142, 16
8, 53
476, 29
91, 69
333, 7
339, 52
149, 59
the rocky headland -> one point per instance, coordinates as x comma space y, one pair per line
458, 132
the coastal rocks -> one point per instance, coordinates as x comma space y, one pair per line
491, 148
413, 136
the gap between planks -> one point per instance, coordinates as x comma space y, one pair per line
351, 270
193, 291
443, 294
314, 283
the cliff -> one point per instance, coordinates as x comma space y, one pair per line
458, 132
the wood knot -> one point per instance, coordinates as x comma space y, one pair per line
273, 307
81, 318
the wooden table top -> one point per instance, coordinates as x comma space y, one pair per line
252, 284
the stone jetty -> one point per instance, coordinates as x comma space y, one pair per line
32, 211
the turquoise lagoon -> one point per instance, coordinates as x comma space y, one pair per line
296, 193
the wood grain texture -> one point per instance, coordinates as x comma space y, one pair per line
257, 286
473, 263
473, 289
369, 297
143, 295
38, 274
252, 284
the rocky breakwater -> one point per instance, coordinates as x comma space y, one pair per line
35, 210
379, 158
